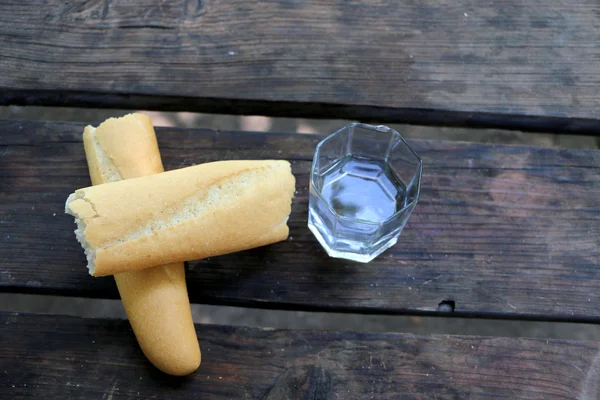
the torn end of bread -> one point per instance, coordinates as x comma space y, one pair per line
107, 170
81, 209
110, 147
191, 213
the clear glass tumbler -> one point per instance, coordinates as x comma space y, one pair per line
364, 183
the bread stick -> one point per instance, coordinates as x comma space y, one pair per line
155, 299
186, 214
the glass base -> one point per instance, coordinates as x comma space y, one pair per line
345, 251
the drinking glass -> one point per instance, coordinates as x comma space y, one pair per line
364, 183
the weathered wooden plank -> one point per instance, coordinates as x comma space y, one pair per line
384, 60
501, 231
57, 357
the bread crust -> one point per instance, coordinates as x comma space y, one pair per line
185, 214
155, 299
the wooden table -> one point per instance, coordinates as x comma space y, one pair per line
504, 232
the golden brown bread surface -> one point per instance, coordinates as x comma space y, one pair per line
186, 214
155, 299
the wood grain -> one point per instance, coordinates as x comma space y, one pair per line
500, 231
458, 62
57, 357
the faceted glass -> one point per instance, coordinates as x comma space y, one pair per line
364, 183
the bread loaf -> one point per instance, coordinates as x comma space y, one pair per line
185, 214
155, 299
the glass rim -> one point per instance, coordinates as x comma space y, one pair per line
380, 128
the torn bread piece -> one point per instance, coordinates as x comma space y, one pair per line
186, 214
155, 299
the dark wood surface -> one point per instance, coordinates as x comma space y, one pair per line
500, 231
57, 357
387, 60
